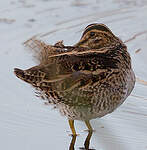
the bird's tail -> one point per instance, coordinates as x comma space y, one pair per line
31, 76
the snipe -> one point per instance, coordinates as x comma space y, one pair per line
87, 80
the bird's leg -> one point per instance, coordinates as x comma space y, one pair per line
88, 125
87, 141
72, 144
71, 124
90, 131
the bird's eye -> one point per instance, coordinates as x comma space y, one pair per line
92, 33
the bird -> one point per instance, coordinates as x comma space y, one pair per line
85, 81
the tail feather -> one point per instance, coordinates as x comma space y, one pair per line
19, 73
31, 76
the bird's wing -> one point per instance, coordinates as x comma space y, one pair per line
78, 68
42, 50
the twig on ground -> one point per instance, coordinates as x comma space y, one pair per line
138, 50
135, 36
141, 81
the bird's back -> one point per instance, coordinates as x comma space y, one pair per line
82, 82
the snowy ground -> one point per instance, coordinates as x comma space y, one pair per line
25, 122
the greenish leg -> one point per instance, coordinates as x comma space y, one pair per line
71, 124
90, 130
88, 125
72, 144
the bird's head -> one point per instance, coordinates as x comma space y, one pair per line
96, 36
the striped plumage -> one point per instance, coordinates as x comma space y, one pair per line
87, 80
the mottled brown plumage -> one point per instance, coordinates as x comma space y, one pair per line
87, 80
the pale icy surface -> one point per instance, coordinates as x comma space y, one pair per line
25, 122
